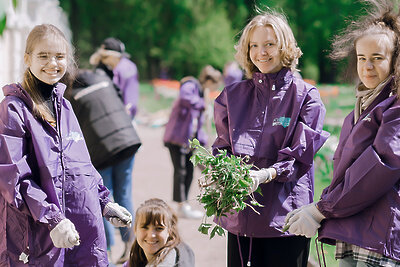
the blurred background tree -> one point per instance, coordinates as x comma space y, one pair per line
182, 36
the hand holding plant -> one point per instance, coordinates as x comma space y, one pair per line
224, 186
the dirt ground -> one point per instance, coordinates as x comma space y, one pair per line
152, 177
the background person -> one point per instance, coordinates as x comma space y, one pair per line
111, 139
186, 122
51, 197
276, 119
111, 57
232, 73
359, 210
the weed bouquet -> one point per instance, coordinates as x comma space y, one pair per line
225, 184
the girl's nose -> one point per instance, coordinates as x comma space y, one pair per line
52, 60
153, 234
263, 50
369, 64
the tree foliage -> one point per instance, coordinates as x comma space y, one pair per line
184, 35
180, 35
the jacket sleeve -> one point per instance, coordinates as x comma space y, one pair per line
130, 89
372, 175
296, 159
223, 140
17, 184
103, 191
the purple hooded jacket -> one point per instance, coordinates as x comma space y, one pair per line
277, 120
45, 176
362, 204
187, 109
127, 78
233, 74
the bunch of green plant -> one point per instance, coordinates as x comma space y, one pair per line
225, 185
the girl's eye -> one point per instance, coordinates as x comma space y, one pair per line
378, 58
60, 57
253, 45
43, 56
361, 59
269, 44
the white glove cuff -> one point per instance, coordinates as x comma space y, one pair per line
316, 213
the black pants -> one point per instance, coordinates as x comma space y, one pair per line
183, 172
268, 252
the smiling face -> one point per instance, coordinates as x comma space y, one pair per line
48, 60
264, 50
373, 59
151, 238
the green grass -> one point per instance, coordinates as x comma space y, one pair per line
337, 107
150, 102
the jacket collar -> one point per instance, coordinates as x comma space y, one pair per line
17, 90
278, 79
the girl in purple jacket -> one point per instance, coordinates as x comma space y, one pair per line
51, 197
276, 119
360, 210
185, 123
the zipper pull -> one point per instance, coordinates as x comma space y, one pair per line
273, 87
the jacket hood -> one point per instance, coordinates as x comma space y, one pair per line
16, 89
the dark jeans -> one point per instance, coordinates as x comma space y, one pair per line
118, 179
268, 252
183, 172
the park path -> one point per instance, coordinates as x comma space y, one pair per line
152, 177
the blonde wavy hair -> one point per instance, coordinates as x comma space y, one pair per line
289, 51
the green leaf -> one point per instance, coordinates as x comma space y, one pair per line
224, 186
213, 232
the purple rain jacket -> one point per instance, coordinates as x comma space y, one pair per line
187, 109
277, 120
127, 78
45, 176
362, 203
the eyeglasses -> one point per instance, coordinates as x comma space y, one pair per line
44, 58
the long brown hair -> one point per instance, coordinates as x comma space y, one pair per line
29, 83
380, 19
156, 212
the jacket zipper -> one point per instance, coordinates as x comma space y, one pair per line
58, 118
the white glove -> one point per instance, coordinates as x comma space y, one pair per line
117, 215
304, 220
259, 177
64, 235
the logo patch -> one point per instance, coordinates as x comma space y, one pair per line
74, 136
282, 121
367, 118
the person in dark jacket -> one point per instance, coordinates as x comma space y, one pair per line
51, 197
111, 139
276, 119
185, 123
360, 210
